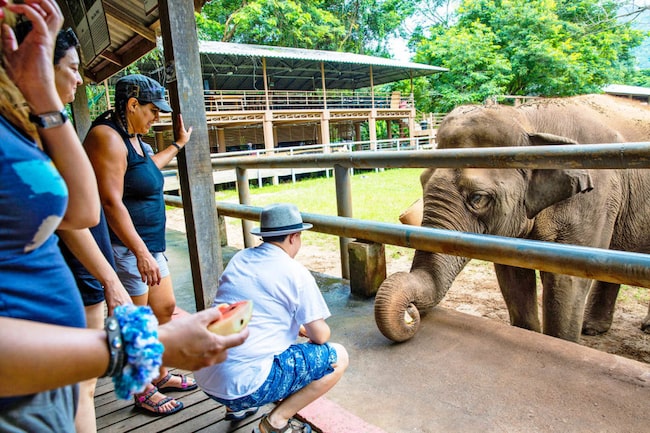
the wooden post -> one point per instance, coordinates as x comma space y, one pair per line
367, 267
183, 80
221, 139
80, 112
323, 84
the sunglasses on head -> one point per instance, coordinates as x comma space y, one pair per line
70, 37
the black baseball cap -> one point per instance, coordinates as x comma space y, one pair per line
144, 89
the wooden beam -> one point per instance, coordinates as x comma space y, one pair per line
183, 81
111, 57
128, 54
128, 21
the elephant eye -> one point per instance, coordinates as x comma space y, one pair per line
478, 200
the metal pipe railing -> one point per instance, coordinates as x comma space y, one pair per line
605, 265
593, 156
594, 263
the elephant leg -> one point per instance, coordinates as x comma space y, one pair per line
564, 305
519, 290
645, 325
599, 309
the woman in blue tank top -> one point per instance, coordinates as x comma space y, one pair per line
131, 190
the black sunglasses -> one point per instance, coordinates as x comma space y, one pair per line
68, 35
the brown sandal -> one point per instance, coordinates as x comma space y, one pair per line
144, 403
293, 426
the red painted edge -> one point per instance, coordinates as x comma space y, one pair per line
328, 417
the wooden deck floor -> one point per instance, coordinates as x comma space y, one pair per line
200, 414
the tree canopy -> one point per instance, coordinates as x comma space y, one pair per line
357, 26
523, 47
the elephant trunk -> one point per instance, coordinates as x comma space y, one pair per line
403, 296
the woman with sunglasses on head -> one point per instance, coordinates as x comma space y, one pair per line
131, 191
87, 252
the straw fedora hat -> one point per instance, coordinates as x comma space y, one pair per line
280, 219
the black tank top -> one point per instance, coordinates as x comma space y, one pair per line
143, 191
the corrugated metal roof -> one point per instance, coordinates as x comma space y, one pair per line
304, 54
231, 66
621, 89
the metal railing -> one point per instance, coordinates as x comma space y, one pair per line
606, 265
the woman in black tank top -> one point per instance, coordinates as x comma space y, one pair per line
131, 190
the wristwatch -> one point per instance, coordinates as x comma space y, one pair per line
49, 120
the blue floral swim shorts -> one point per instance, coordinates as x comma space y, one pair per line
292, 370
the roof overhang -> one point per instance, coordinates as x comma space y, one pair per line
231, 66
624, 90
113, 33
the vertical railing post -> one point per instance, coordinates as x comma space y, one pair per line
344, 209
245, 198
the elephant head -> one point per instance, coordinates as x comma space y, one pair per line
501, 202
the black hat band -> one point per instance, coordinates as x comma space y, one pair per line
277, 229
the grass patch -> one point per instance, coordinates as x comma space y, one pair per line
376, 196
639, 295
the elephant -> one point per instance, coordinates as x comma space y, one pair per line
596, 208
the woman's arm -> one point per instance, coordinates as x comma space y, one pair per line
162, 158
108, 155
52, 356
82, 244
30, 68
37, 356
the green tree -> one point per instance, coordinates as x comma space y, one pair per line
522, 47
359, 26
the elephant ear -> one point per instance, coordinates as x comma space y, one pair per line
546, 186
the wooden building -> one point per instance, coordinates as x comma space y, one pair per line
265, 97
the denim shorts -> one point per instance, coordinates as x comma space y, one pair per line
47, 411
292, 370
126, 266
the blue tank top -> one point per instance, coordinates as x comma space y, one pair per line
143, 192
92, 291
35, 283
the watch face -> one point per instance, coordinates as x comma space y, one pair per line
49, 120
52, 119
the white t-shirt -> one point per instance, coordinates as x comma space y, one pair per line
285, 296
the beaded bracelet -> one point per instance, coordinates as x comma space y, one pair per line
141, 348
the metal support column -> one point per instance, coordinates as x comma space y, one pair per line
344, 209
245, 198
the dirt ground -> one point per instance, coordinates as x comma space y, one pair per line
476, 292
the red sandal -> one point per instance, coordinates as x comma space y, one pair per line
186, 385
143, 403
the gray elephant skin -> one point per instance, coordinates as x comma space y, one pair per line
596, 208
